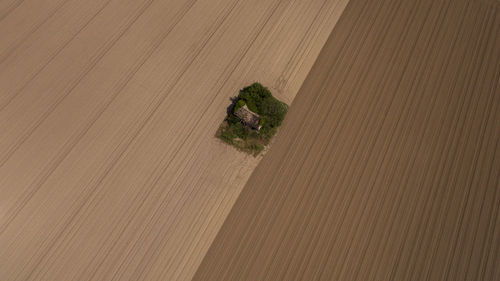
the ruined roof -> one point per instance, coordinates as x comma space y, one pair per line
248, 117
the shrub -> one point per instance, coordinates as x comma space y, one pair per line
272, 113
239, 104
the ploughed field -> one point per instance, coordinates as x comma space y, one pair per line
387, 166
109, 167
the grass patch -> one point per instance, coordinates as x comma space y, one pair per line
271, 111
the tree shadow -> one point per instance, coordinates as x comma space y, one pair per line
229, 109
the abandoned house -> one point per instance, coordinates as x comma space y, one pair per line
248, 117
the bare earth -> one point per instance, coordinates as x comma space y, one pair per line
109, 168
388, 164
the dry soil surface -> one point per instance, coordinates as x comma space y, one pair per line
388, 164
109, 168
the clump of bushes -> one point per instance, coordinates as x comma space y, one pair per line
271, 111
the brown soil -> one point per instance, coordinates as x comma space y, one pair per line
388, 164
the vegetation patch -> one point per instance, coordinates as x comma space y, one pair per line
252, 119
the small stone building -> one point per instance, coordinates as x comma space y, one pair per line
248, 117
